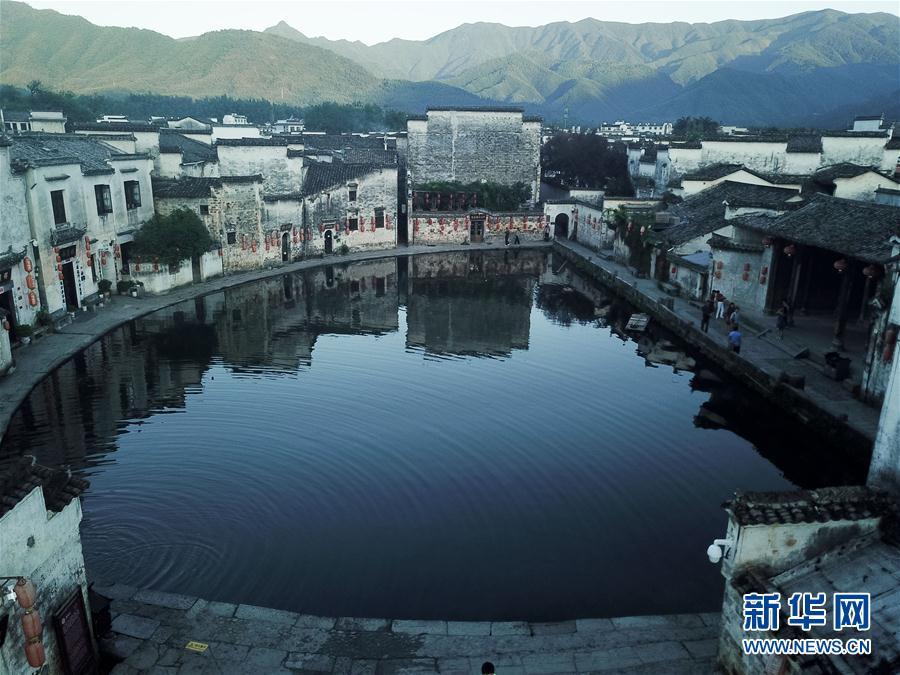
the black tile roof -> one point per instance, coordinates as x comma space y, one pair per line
342, 141
37, 149
868, 118
712, 172
16, 116
808, 506
191, 150
114, 126
805, 143
187, 186
842, 170
855, 134
704, 212
477, 108
273, 141
367, 156
322, 176
19, 476
848, 227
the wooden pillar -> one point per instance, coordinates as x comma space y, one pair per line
840, 318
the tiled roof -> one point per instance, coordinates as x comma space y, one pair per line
783, 178
485, 108
712, 172
686, 145
16, 116
776, 138
704, 212
848, 227
322, 176
805, 143
36, 149
808, 506
842, 170
367, 156
186, 186
114, 126
19, 476
191, 150
340, 141
868, 118
855, 134
274, 140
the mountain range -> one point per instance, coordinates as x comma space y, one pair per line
808, 69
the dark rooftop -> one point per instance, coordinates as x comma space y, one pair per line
191, 150
187, 186
118, 127
19, 476
712, 172
38, 149
273, 141
848, 227
477, 108
322, 176
855, 134
808, 506
828, 174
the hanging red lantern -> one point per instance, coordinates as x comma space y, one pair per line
873, 271
32, 296
674, 270
718, 274
118, 250
253, 247
34, 652
220, 252
61, 277
767, 241
29, 281
321, 227
746, 276
746, 267
790, 250
890, 341
26, 593
719, 264
6, 325
26, 263
31, 624
840, 265
58, 258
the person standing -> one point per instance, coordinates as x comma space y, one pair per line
720, 305
706, 313
516, 239
736, 315
734, 339
781, 321
506, 237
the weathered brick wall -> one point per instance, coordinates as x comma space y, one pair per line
446, 227
475, 145
742, 276
281, 174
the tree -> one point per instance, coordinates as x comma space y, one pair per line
172, 238
695, 128
584, 160
35, 87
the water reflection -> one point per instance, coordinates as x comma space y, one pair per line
324, 441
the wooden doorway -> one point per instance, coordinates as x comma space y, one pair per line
285, 247
476, 229
329, 242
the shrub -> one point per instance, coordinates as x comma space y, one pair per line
173, 238
124, 287
24, 330
43, 318
344, 249
104, 285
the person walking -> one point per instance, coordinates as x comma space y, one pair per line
706, 312
736, 315
506, 237
734, 339
720, 305
516, 239
728, 312
781, 321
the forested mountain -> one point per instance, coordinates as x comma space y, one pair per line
797, 70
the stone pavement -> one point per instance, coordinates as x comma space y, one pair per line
46, 353
151, 629
766, 352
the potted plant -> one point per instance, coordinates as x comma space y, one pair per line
136, 288
104, 286
123, 287
25, 331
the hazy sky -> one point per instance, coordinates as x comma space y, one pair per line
372, 21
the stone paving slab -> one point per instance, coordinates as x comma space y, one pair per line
149, 638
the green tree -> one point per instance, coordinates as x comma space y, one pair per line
695, 128
585, 160
173, 238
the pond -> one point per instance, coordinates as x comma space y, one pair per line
460, 436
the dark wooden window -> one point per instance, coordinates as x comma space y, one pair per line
132, 194
379, 286
104, 199
204, 210
232, 237
351, 195
353, 223
379, 217
59, 206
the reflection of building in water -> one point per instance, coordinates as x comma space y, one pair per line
471, 302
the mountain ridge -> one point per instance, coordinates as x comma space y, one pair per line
782, 71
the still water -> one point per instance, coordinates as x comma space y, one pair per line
457, 436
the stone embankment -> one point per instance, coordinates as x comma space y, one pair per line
152, 631
822, 404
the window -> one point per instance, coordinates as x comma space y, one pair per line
353, 223
232, 237
104, 199
132, 194
59, 206
351, 195
204, 210
379, 217
379, 286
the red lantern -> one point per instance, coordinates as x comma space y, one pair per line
890, 341
220, 253
674, 269
29, 281
746, 276
718, 274
767, 241
58, 258
26, 263
253, 247
34, 652
6, 325
25, 592
719, 264
873, 271
61, 277
32, 297
765, 270
790, 250
746, 267
31, 624
321, 227
841, 265
118, 250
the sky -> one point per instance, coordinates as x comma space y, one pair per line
372, 21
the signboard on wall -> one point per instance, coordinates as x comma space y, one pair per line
73, 636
